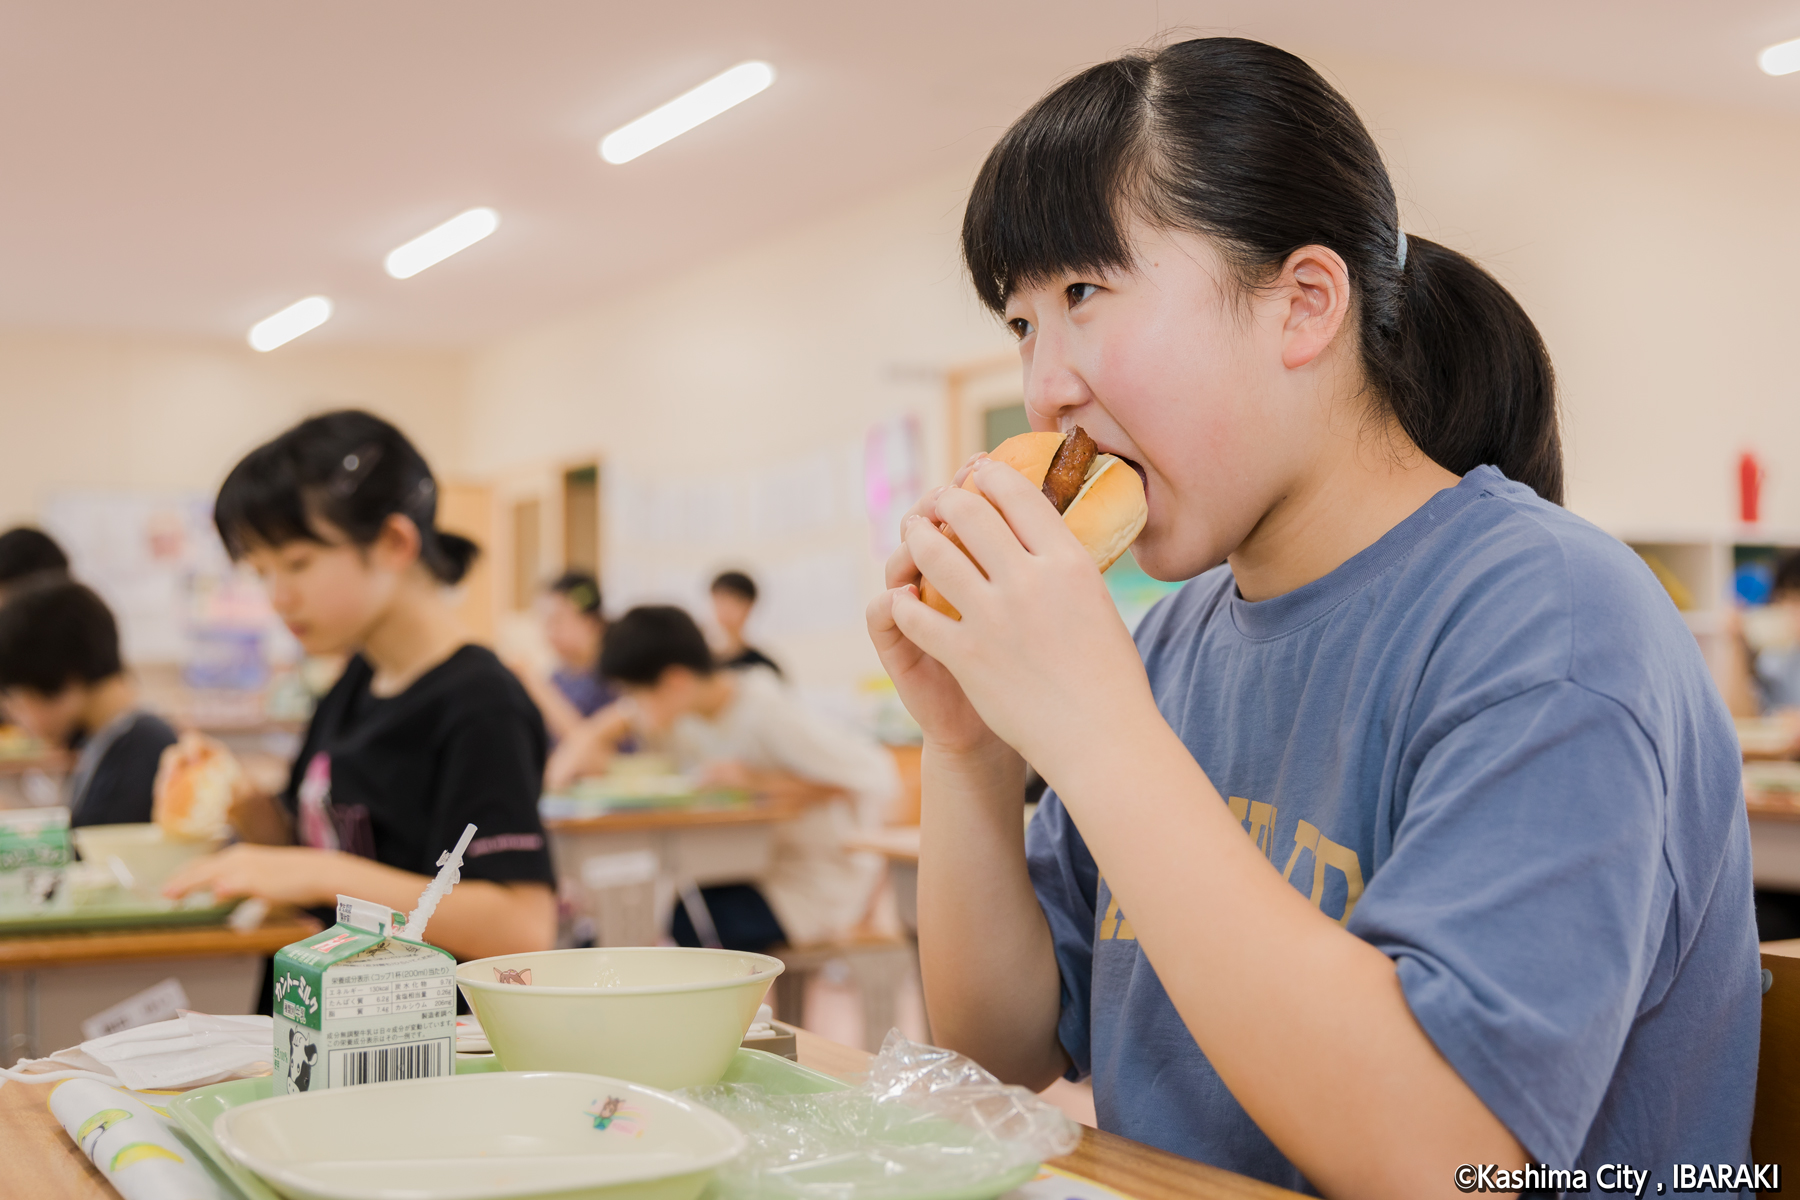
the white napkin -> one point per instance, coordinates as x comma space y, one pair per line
191, 1050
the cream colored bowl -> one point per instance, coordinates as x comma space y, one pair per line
481, 1137
149, 856
669, 1017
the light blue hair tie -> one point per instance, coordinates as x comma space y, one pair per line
1401, 255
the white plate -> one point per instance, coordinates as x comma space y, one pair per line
481, 1137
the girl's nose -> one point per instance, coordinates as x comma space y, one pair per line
1053, 387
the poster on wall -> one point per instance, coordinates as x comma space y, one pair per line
892, 478
158, 563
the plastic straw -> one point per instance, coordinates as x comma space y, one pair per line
448, 876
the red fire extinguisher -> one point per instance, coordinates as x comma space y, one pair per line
1750, 482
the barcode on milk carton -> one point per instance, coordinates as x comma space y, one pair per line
382, 1064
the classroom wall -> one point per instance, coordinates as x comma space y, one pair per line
1650, 241
1646, 237
729, 405
90, 411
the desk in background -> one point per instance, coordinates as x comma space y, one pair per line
50, 984
680, 848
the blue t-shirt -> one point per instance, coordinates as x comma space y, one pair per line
1488, 745
585, 690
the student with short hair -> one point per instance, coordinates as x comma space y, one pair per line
733, 596
26, 552
422, 734
743, 729
1410, 832
61, 677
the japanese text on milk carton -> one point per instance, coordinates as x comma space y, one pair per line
358, 1003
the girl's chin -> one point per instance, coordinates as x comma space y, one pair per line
1160, 556
320, 645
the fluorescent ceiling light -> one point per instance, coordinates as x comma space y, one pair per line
288, 324
1783, 58
686, 111
428, 249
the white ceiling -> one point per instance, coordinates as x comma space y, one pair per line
190, 166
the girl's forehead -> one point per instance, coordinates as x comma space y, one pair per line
328, 538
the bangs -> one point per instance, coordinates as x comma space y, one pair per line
1052, 196
263, 503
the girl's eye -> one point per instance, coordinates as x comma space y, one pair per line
1081, 291
1021, 327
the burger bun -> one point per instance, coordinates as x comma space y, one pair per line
1106, 516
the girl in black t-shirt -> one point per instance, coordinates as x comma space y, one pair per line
422, 734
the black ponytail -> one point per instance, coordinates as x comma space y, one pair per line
1249, 146
347, 469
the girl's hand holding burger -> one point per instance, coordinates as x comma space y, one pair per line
931, 694
1040, 657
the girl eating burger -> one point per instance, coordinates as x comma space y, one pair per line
1409, 833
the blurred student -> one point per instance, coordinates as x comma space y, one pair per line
1764, 680
573, 627
26, 552
62, 679
733, 596
423, 732
742, 729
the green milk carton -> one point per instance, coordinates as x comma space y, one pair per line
359, 1003
34, 853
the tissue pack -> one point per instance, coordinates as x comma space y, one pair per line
359, 1003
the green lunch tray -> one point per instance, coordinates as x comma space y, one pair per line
19, 923
196, 1110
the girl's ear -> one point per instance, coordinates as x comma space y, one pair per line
1314, 288
396, 547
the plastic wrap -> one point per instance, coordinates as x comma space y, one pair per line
925, 1120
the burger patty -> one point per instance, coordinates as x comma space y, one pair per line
1069, 469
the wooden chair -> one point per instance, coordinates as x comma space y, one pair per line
1775, 1130
878, 963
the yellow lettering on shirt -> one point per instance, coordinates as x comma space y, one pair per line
1114, 926
1258, 819
1260, 815
1327, 853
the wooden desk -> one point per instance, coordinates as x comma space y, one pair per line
687, 847
50, 984
685, 816
41, 1161
896, 843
